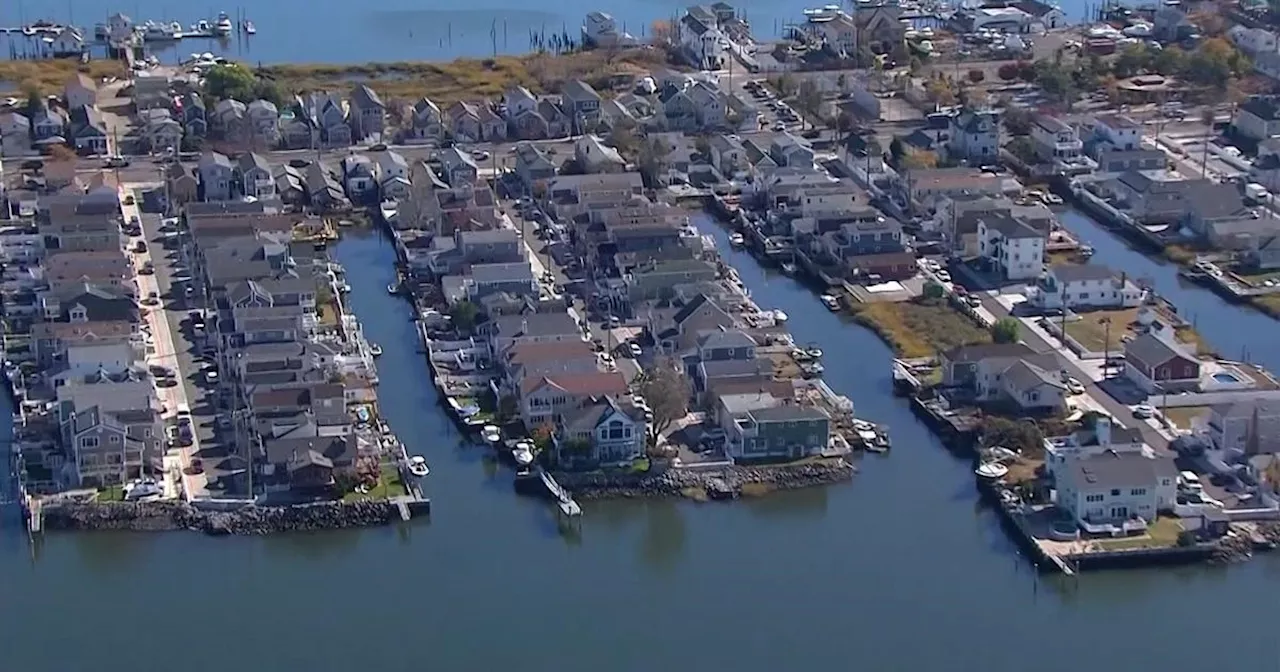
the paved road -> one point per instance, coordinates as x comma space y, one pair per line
173, 348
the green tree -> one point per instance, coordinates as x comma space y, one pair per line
809, 99
230, 80
666, 390
897, 150
933, 291
1005, 330
464, 315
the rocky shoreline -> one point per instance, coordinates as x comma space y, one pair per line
728, 482
249, 520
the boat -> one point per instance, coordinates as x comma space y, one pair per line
202, 29
814, 352
523, 453
789, 268
344, 287
991, 470
737, 239
1052, 199
418, 466
249, 28
779, 316
375, 349
388, 210
223, 26
161, 32
491, 433
393, 288
1086, 251
831, 302
142, 488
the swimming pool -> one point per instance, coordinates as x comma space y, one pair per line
1226, 377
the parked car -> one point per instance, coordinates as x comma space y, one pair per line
1143, 411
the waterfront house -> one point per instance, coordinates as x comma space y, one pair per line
1251, 426
1157, 363
464, 121
359, 177
426, 123
193, 116
759, 426
368, 113
515, 279
701, 41
393, 176
604, 430
228, 121
593, 156
1055, 141
80, 91
1115, 133
728, 155
106, 275
1258, 118
110, 429
975, 136
960, 181
50, 340
324, 192
679, 331
1083, 287
582, 104
1104, 436
1106, 490
509, 330
1264, 255
533, 166
87, 130
47, 124
67, 42
981, 373
216, 176
547, 398
882, 267
1152, 196
291, 185
1011, 247
658, 279
253, 175
263, 120
1219, 214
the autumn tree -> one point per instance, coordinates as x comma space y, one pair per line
61, 153
666, 390
976, 75
662, 33
920, 159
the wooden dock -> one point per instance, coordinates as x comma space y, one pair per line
563, 499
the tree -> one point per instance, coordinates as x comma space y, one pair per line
1022, 436
1008, 72
61, 153
897, 150
842, 81
920, 160
542, 436
933, 291
665, 389
464, 315
1005, 330
939, 91
1017, 120
230, 80
976, 75
809, 99
702, 145
35, 101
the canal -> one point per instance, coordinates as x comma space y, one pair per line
901, 569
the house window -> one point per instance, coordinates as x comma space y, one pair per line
615, 430
1115, 493
115, 438
1138, 492
89, 442
1094, 498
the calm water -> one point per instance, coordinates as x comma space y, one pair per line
899, 570
336, 31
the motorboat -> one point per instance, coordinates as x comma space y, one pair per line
202, 28
991, 470
1052, 199
375, 349
814, 352
249, 28
523, 453
393, 288
737, 239
161, 32
789, 268
142, 488
223, 26
779, 316
831, 302
418, 466
388, 210
491, 434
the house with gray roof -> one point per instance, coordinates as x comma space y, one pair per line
1251, 426
217, 176
975, 136
1011, 247
368, 113
1111, 490
532, 328
1003, 373
253, 174
1085, 286
759, 426
263, 120
604, 430
582, 104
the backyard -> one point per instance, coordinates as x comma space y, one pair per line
389, 485
1184, 417
921, 327
1093, 332
1162, 533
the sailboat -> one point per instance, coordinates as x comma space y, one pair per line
223, 25
249, 28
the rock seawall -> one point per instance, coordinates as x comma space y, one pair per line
160, 516
715, 483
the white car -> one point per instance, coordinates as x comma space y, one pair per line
1143, 411
211, 375
635, 349
943, 276
1074, 386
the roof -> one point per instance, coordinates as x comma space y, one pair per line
577, 89
83, 80
726, 338
1052, 124
363, 96
1117, 121
528, 353
536, 324
254, 160
1153, 350
514, 271
215, 159
1266, 408
977, 353
1266, 108
1081, 272
1010, 227
746, 402
789, 413
1025, 375
1111, 469
593, 383
737, 368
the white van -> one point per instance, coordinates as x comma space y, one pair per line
184, 411
1190, 481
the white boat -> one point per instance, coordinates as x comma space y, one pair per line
814, 353
223, 26
375, 349
779, 316
393, 288
249, 28
418, 466
831, 302
1053, 199
991, 470
737, 239
388, 210
789, 268
523, 453
491, 433
202, 28
141, 489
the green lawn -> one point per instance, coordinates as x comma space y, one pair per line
1090, 331
389, 485
1162, 533
114, 493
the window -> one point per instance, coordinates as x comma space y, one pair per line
115, 438
1115, 493
615, 430
1138, 492
89, 442
1094, 498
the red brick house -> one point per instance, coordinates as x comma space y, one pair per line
889, 266
1158, 364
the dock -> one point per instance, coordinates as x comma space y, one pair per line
563, 499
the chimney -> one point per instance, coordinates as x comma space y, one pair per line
1102, 430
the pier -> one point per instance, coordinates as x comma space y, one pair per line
563, 499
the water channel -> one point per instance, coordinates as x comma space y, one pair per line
899, 570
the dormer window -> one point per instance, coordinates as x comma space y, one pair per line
78, 314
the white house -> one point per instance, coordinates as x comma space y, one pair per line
1251, 426
1055, 140
704, 42
1103, 438
1011, 246
1076, 287
1258, 118
1116, 132
975, 136
1105, 490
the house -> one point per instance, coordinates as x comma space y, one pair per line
68, 42
533, 166
263, 120
483, 280
81, 91
979, 370
493, 128
1157, 363
1043, 17
529, 125
975, 136
193, 115
509, 330
680, 331
109, 428
1170, 23
493, 246
1258, 118
291, 185
882, 267
324, 192
1034, 388
47, 124
464, 121
559, 123
393, 176
728, 155
878, 28
582, 104
88, 130
1264, 256
160, 130
216, 176
1222, 218
254, 176
1115, 132
759, 427
789, 150
709, 107
15, 130
546, 399
458, 166
1012, 247
1251, 426
1152, 196
518, 100
701, 41
1125, 160
932, 182
1055, 141
181, 184
604, 430
368, 112
1112, 488
359, 177
229, 120
325, 121
427, 123
593, 156
1082, 287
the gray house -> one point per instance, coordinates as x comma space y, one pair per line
216, 177
582, 104
263, 119
368, 113
254, 176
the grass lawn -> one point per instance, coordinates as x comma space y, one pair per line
1269, 304
114, 493
466, 78
1162, 533
389, 485
327, 313
920, 328
1090, 330
1182, 417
